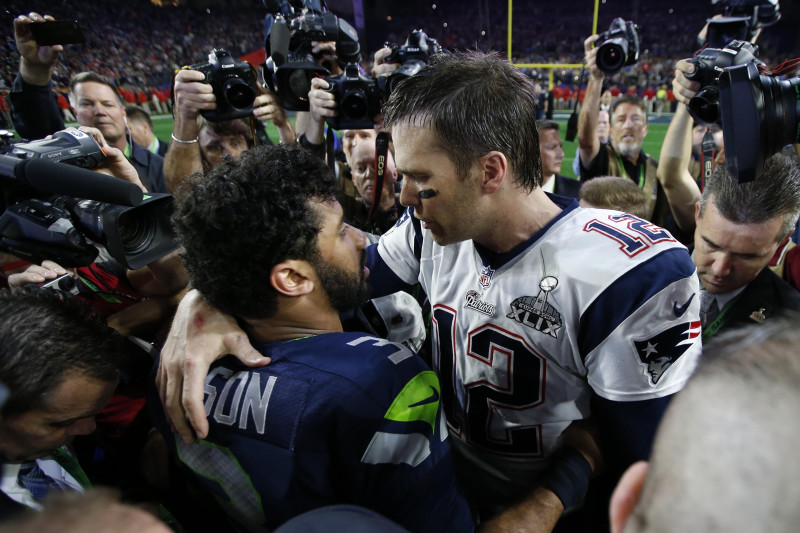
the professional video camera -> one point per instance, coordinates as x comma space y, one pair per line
619, 46
234, 85
291, 64
759, 117
740, 20
709, 63
38, 223
358, 98
413, 55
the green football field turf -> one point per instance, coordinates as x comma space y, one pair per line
162, 124
652, 143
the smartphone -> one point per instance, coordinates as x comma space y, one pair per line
52, 32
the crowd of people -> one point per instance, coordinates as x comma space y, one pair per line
421, 326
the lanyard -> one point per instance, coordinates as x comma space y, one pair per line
722, 318
622, 167
70, 464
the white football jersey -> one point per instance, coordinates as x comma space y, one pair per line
597, 302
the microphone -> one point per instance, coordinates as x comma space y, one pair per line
279, 37
62, 178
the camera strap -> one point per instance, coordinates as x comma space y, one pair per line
709, 151
330, 140
381, 152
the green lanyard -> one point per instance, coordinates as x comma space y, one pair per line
70, 464
722, 318
127, 151
622, 167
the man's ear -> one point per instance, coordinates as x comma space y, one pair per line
294, 277
626, 495
697, 211
494, 167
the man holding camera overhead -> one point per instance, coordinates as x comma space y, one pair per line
623, 155
93, 97
200, 143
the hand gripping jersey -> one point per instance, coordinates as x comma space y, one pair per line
596, 302
335, 418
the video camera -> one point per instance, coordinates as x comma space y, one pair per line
291, 64
619, 46
234, 85
709, 64
760, 115
740, 20
38, 223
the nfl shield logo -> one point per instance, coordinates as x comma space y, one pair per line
485, 279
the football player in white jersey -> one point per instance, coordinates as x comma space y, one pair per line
543, 312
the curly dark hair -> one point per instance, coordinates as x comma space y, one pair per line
241, 218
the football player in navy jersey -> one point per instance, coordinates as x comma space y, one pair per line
544, 313
336, 417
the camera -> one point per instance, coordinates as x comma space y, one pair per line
413, 55
358, 99
73, 147
760, 115
291, 65
234, 85
619, 48
740, 20
58, 211
64, 283
709, 63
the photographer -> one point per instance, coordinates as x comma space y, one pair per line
199, 144
164, 278
623, 155
93, 97
680, 186
136, 303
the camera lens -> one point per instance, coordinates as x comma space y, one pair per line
238, 93
704, 106
136, 232
354, 105
760, 114
612, 56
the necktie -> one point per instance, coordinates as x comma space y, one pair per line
709, 309
37, 482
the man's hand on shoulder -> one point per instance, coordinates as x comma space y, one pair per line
200, 334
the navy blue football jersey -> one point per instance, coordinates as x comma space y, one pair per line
335, 418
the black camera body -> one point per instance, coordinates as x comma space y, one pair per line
58, 211
291, 65
709, 64
73, 147
358, 99
234, 85
619, 46
740, 20
412, 55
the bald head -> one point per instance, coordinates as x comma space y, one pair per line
725, 456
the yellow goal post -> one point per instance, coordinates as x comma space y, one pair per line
549, 66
